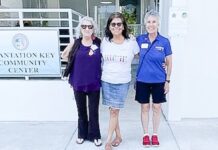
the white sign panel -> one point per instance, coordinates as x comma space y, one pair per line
33, 53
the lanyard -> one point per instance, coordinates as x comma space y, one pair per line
149, 48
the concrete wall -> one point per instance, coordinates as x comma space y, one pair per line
34, 100
195, 71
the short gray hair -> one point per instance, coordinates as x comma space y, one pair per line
152, 13
78, 28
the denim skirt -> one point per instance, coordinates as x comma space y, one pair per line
114, 95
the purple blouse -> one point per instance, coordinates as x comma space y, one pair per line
86, 73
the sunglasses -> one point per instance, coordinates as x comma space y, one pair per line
85, 26
119, 24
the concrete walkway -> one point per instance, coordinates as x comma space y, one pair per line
131, 129
188, 134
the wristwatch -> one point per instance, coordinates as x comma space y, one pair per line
168, 81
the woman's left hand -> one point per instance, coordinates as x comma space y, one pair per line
166, 87
132, 37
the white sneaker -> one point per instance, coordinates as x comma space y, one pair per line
97, 142
79, 140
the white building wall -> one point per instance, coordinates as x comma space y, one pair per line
163, 29
201, 73
195, 56
43, 100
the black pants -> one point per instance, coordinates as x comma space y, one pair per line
88, 123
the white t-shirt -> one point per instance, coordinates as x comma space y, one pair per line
117, 59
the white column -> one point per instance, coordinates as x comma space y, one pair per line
117, 4
174, 26
87, 7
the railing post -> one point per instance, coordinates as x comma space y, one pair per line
21, 18
70, 24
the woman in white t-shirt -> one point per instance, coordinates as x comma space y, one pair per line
118, 51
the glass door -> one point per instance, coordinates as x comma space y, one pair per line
35, 4
103, 14
133, 10
132, 13
100, 10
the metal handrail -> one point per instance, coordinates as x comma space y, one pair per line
41, 10
19, 18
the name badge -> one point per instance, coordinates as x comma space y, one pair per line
144, 45
159, 48
94, 47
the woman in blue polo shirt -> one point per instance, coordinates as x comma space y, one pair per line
152, 78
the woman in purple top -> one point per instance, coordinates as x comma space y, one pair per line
84, 71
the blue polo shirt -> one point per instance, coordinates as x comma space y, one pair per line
150, 68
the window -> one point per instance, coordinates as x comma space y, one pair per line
34, 3
157, 5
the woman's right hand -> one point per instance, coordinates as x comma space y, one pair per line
67, 50
166, 87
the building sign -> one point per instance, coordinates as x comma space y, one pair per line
33, 53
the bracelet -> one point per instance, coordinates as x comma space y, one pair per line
168, 81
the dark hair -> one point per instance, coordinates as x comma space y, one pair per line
125, 32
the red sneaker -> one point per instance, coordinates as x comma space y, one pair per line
146, 141
154, 140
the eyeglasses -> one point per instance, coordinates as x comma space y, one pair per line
119, 24
85, 26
